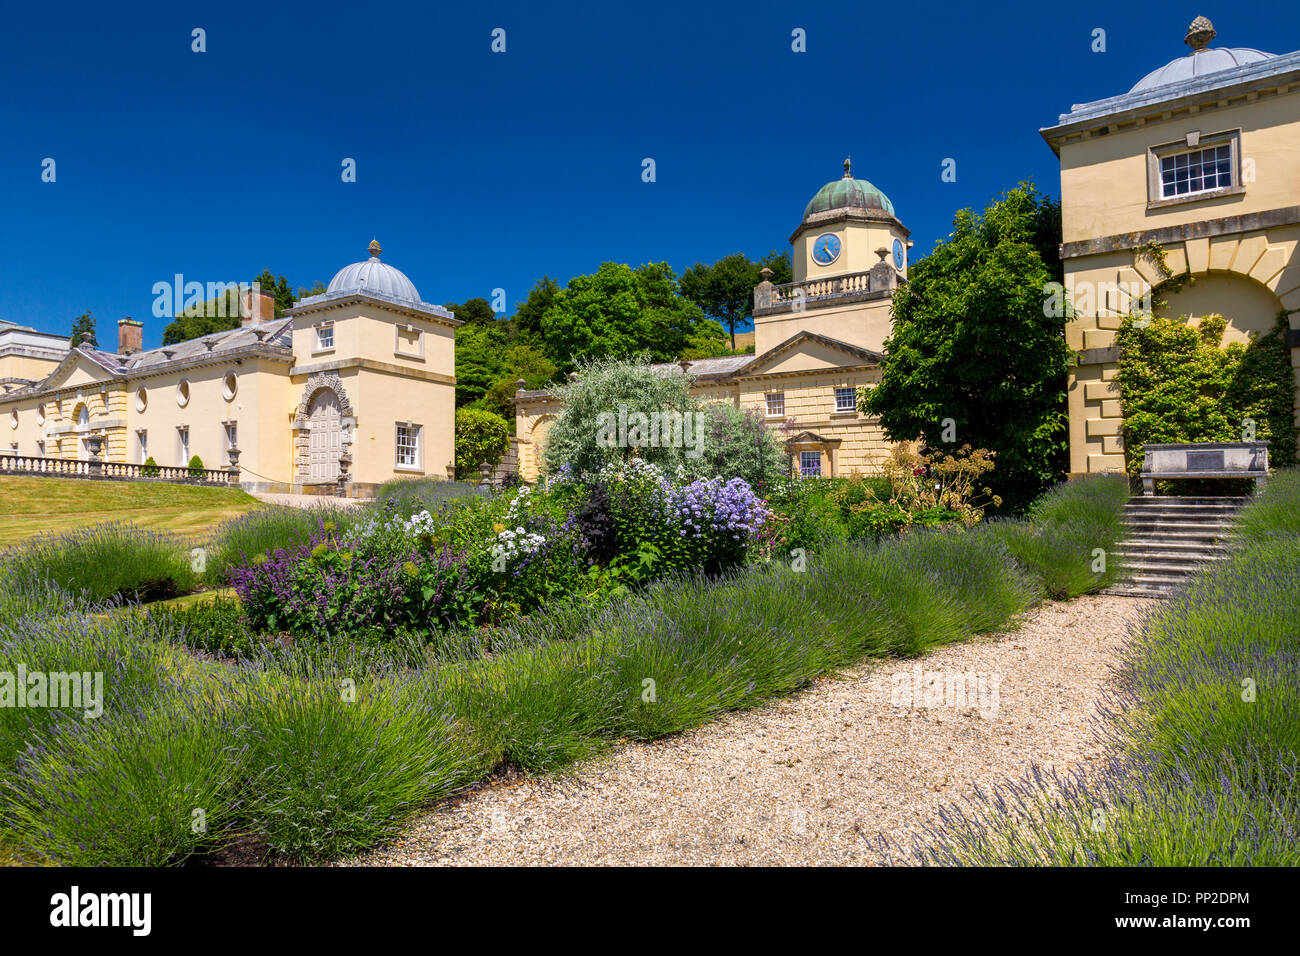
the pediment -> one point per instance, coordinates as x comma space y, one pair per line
77, 368
811, 352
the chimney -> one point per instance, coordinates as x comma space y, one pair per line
256, 306
130, 336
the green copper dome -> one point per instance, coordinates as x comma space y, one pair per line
848, 193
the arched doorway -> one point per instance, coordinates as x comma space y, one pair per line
325, 437
1250, 307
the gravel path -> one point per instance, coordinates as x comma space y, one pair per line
808, 779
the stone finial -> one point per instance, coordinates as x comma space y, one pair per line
766, 273
374, 248
685, 365
520, 385
1199, 34
882, 252
86, 337
848, 167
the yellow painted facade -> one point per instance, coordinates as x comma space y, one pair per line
1231, 238
359, 380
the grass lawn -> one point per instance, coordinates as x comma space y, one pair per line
31, 506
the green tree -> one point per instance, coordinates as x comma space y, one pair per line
480, 350
480, 436
284, 297
82, 325
619, 311
528, 316
725, 289
215, 315
473, 312
975, 356
521, 361
317, 288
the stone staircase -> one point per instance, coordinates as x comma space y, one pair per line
1169, 538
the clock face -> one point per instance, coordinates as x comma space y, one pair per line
900, 255
826, 248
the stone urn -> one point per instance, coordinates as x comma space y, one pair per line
345, 462
232, 469
95, 445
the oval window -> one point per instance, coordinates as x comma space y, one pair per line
229, 385
13, 418
183, 392
141, 398
40, 414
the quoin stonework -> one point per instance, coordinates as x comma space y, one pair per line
1200, 159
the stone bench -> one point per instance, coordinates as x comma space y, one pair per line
1217, 459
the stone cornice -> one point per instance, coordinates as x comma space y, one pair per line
422, 310
373, 365
820, 220
1247, 222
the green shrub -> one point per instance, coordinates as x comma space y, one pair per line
1069, 530
104, 563
409, 495
481, 436
738, 444
137, 669
1178, 383
196, 467
262, 531
606, 387
1275, 512
218, 626
330, 772
149, 469
136, 788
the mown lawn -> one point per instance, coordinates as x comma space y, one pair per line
31, 506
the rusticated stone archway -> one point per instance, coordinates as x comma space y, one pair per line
340, 407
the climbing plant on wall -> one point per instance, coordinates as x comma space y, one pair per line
1179, 383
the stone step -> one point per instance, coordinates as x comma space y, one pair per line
1183, 568
1177, 521
1133, 590
1238, 500
1183, 514
1155, 543
1157, 579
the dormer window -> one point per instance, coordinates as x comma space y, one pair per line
1197, 167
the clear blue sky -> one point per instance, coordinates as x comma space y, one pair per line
479, 170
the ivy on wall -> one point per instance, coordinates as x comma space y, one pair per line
1179, 383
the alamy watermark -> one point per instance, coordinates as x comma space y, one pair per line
55, 690
658, 429
953, 690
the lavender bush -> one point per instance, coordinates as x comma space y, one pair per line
331, 586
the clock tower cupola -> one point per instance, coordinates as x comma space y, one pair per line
843, 226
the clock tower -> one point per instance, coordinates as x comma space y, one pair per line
849, 254
843, 226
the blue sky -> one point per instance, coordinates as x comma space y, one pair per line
479, 170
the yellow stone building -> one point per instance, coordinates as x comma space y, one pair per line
1202, 157
358, 381
817, 340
